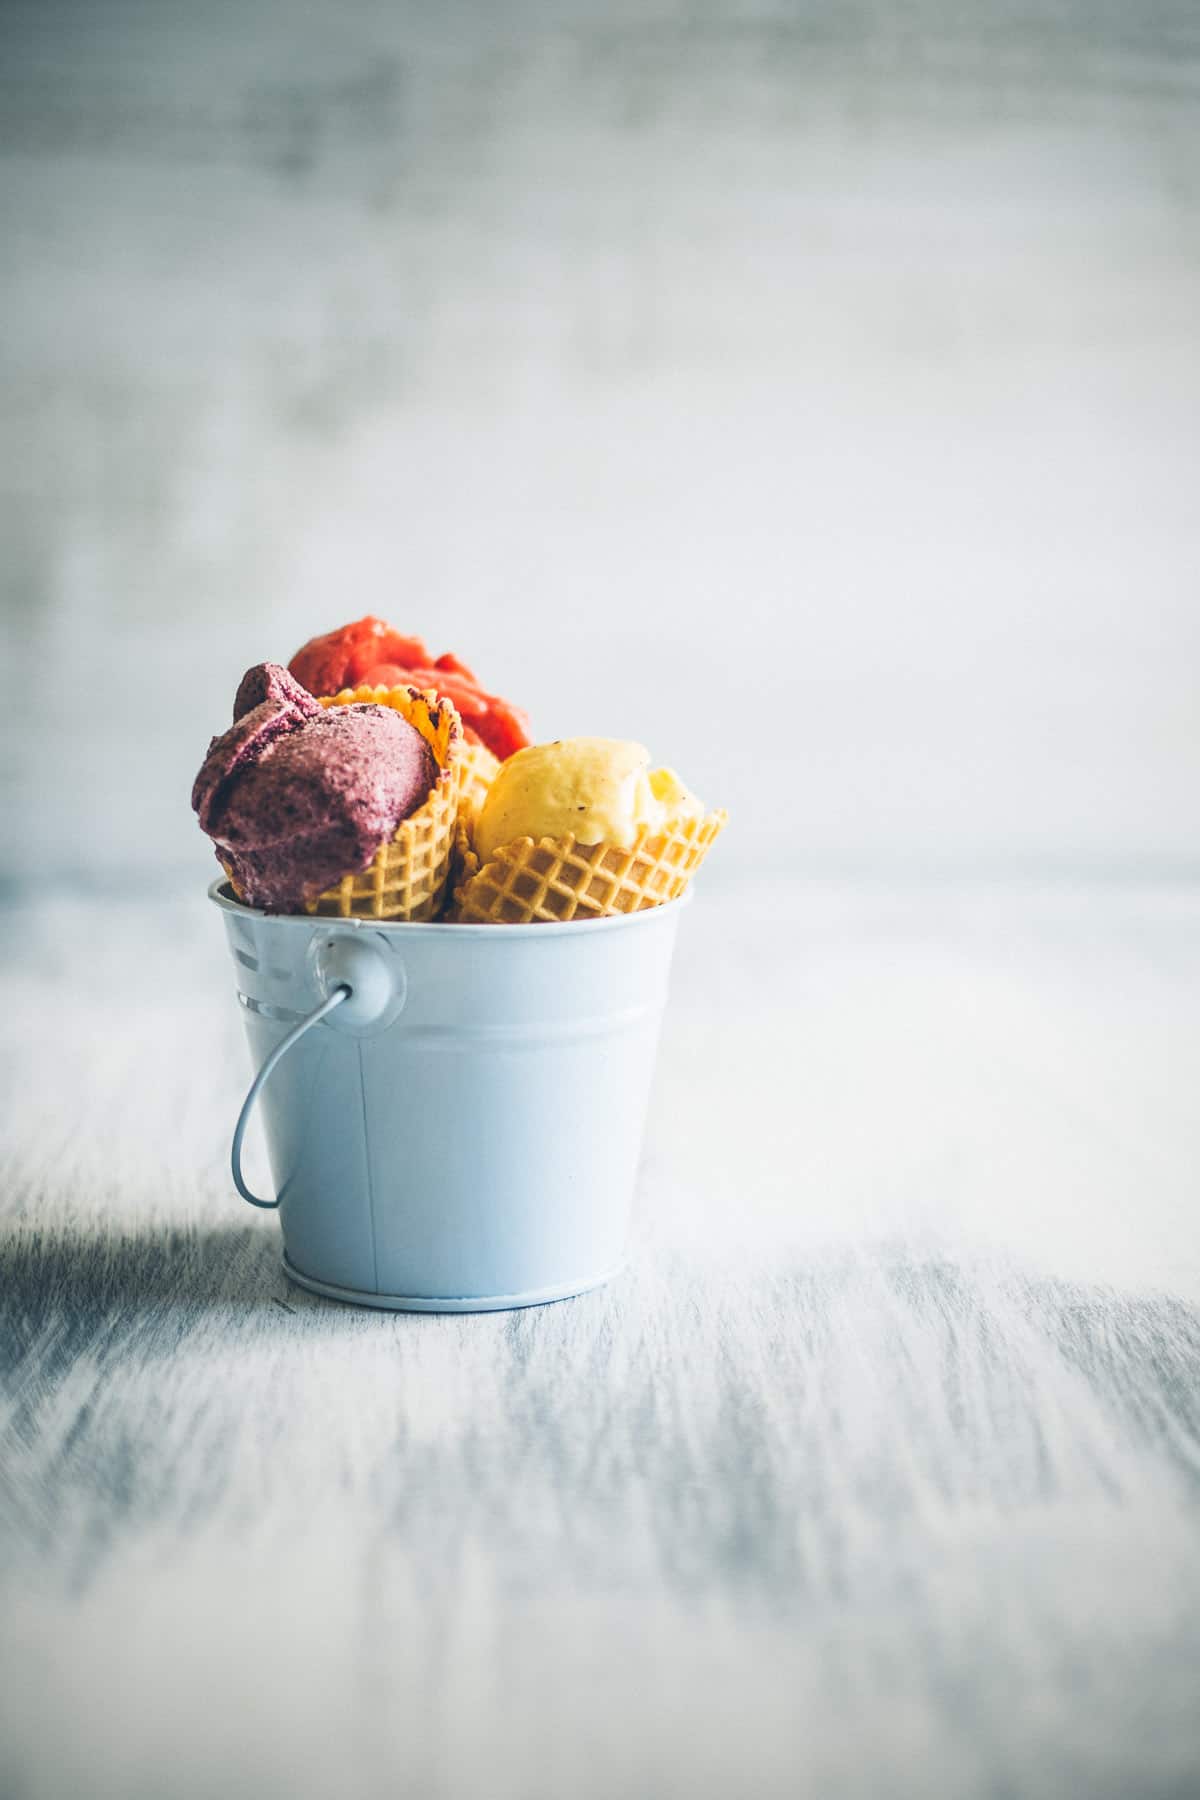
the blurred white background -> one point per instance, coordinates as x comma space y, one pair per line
811, 392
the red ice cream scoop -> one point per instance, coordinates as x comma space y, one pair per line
296, 795
370, 653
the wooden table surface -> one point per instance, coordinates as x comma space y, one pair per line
877, 1473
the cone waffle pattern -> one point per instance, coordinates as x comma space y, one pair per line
558, 879
407, 878
479, 772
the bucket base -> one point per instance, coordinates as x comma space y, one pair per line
443, 1304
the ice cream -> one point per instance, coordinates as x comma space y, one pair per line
369, 653
580, 829
372, 801
600, 790
295, 796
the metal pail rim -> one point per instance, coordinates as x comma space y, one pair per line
221, 894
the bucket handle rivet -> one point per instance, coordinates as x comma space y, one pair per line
335, 998
377, 977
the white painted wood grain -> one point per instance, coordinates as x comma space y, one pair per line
877, 1473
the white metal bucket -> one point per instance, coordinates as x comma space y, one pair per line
456, 1118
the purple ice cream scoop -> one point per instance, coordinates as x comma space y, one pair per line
295, 795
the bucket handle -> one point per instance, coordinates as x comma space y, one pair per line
341, 992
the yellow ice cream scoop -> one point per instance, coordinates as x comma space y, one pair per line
600, 790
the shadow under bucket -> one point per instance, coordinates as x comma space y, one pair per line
453, 1113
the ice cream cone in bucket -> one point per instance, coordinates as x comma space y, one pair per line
345, 806
615, 837
407, 877
453, 1114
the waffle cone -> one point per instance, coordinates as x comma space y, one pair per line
479, 772
558, 879
407, 878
